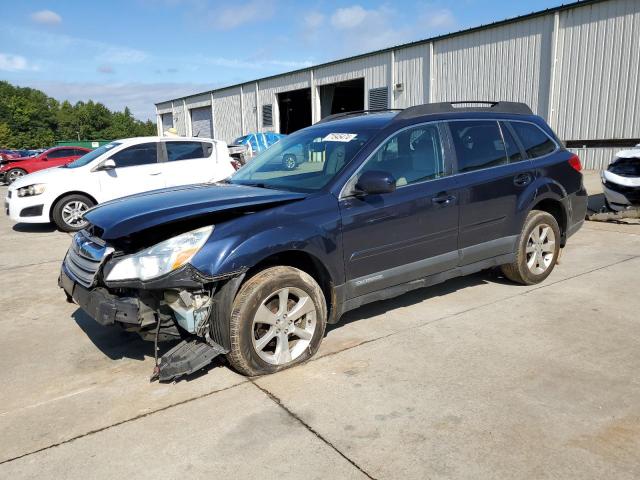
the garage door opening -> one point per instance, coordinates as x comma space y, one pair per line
342, 97
295, 110
201, 122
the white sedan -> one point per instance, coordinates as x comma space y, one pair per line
120, 168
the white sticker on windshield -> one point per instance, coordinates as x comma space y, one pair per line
339, 137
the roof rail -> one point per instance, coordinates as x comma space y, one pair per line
335, 116
465, 106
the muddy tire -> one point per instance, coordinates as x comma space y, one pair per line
67, 212
277, 321
537, 250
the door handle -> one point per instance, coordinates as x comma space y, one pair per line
522, 179
443, 199
155, 173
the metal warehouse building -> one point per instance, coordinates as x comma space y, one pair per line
576, 65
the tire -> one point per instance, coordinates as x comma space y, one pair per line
14, 174
256, 346
67, 208
289, 162
535, 260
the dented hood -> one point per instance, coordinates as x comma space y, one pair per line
129, 215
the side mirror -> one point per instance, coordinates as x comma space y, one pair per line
375, 182
108, 164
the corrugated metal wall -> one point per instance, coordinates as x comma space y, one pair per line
597, 93
596, 158
226, 108
510, 62
373, 68
268, 93
595, 75
179, 117
412, 71
249, 110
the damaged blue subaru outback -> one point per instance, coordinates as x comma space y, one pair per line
382, 202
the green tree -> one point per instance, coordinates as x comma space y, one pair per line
29, 118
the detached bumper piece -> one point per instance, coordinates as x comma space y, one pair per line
185, 358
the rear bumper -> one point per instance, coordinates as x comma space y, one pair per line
577, 211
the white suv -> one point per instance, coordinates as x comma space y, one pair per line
123, 167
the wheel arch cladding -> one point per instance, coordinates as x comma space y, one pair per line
66, 194
306, 262
557, 210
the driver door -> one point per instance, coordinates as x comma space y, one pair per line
411, 233
137, 170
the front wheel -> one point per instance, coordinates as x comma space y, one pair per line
537, 250
277, 321
14, 174
68, 212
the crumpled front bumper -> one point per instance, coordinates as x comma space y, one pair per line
102, 306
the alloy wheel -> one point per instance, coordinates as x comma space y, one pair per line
72, 213
540, 249
13, 175
283, 326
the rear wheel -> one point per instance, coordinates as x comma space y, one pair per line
537, 250
68, 212
289, 161
278, 320
14, 174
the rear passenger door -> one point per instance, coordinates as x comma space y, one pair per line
189, 162
493, 174
407, 234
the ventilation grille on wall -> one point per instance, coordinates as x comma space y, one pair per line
267, 115
379, 98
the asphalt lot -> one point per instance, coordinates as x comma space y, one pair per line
475, 378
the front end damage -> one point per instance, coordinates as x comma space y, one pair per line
184, 305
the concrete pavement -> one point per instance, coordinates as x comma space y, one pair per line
475, 378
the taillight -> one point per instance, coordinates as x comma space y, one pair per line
236, 164
574, 161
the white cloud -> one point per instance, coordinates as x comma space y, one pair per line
349, 17
236, 15
14, 63
314, 19
46, 17
440, 19
121, 55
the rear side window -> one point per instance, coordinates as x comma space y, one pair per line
512, 148
142, 154
187, 150
64, 152
478, 144
536, 143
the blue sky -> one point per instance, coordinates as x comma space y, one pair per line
137, 52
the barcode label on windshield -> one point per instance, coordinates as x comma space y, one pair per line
339, 137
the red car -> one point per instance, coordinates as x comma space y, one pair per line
12, 169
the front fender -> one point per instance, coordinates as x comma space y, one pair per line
311, 226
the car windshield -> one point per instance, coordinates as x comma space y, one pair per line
92, 155
304, 161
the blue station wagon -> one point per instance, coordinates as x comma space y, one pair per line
255, 267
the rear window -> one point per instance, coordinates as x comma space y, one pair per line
478, 144
187, 150
536, 143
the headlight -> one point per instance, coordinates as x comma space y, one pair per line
31, 190
161, 258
